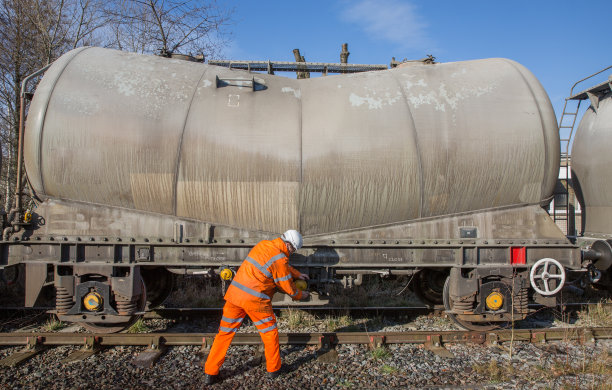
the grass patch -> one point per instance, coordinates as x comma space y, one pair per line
494, 371
138, 327
345, 383
387, 369
600, 366
597, 365
53, 325
335, 323
538, 373
297, 318
597, 315
381, 353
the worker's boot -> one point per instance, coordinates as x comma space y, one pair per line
279, 372
210, 379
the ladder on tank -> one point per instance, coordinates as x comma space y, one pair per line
564, 197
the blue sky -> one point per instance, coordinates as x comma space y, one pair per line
560, 41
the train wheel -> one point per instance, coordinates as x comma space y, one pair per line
159, 282
467, 325
101, 327
429, 286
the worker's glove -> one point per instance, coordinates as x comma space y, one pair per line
305, 295
304, 277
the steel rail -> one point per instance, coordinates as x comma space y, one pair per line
189, 312
321, 309
361, 311
333, 338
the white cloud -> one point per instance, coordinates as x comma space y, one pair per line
394, 21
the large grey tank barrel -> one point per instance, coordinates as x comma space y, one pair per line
263, 152
591, 162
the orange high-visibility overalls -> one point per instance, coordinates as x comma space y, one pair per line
265, 268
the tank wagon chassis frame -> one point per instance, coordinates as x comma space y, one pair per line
121, 277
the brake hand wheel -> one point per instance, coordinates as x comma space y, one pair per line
543, 272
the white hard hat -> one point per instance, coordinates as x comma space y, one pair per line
293, 237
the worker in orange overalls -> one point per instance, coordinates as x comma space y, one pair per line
265, 268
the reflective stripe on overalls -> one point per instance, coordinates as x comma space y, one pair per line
230, 322
263, 326
250, 293
230, 325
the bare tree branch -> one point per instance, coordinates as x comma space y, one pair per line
34, 33
170, 26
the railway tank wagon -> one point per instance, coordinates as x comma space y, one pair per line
144, 166
591, 177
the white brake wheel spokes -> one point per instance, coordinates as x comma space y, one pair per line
543, 271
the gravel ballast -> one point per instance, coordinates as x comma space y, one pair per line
551, 365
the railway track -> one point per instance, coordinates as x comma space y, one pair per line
19, 319
198, 312
157, 343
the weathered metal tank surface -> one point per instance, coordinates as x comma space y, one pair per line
591, 162
265, 153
